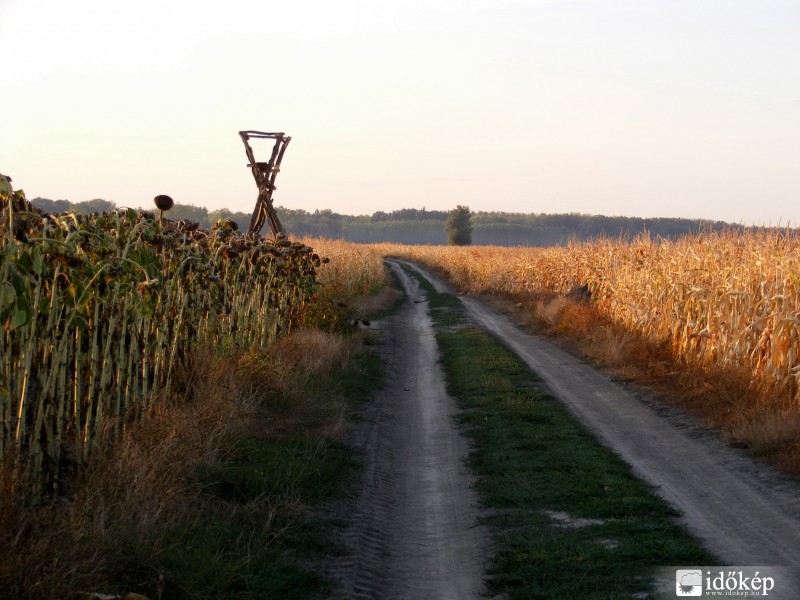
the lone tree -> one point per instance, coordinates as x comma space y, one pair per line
459, 226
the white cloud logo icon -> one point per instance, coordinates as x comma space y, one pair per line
688, 583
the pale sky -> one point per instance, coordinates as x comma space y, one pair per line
649, 108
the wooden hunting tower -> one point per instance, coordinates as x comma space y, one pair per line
264, 173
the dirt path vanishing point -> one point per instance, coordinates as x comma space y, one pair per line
412, 529
412, 526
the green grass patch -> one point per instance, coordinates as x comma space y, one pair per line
445, 309
569, 518
257, 543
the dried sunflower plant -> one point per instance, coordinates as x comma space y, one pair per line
100, 314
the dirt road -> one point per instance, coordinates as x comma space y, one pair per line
413, 526
414, 529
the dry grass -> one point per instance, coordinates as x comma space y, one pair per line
376, 303
120, 515
116, 511
768, 434
710, 322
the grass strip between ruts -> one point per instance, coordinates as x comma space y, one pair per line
568, 517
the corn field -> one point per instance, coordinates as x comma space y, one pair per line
100, 314
717, 298
352, 270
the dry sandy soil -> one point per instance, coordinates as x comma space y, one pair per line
411, 524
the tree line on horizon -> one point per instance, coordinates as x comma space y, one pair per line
421, 226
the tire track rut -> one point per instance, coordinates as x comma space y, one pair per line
412, 529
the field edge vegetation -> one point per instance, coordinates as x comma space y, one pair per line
207, 495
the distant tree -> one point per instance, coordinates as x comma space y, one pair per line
52, 207
188, 212
220, 213
98, 205
296, 221
328, 223
459, 226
